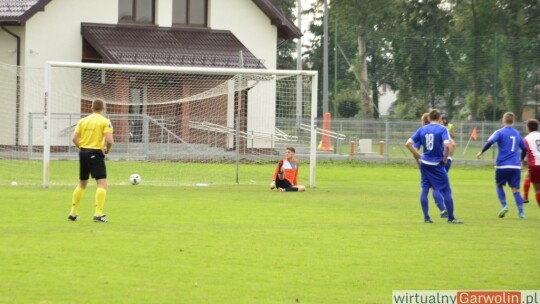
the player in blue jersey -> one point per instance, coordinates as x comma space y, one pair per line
437, 197
508, 162
435, 141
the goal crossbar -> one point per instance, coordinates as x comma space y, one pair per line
185, 70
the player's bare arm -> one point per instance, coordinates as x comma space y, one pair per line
76, 139
414, 152
452, 147
447, 147
108, 143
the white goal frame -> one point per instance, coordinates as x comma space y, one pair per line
49, 99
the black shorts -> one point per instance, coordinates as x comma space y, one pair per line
283, 183
92, 162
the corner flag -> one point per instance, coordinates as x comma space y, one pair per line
473, 136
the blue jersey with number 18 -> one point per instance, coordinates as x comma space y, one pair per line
432, 138
509, 142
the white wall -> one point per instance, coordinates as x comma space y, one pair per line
55, 35
8, 83
8, 88
253, 28
8, 44
249, 24
386, 99
164, 13
262, 112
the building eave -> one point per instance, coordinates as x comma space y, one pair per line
39, 6
286, 28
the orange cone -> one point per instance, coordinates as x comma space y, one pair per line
325, 138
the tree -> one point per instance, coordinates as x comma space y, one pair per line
504, 34
370, 65
422, 54
286, 47
347, 104
314, 53
478, 53
463, 56
520, 18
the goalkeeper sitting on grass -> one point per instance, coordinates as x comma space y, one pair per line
285, 177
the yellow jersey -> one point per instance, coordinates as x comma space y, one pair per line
451, 130
92, 131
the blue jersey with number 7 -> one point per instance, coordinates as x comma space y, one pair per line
432, 138
509, 142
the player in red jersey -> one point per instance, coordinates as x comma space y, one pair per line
532, 144
285, 177
526, 187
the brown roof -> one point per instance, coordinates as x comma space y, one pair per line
152, 45
17, 12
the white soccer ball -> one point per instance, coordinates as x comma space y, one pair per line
135, 179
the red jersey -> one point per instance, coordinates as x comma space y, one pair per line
290, 171
532, 142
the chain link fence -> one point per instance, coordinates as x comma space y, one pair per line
384, 140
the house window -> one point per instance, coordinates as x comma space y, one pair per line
190, 12
136, 11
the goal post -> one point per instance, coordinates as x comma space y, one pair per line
183, 125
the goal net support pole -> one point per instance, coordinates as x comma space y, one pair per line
46, 125
313, 138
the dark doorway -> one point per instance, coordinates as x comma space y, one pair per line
135, 119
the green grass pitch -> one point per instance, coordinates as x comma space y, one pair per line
353, 239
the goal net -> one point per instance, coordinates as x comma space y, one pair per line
21, 97
178, 126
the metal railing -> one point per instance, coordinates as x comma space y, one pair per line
393, 134
277, 136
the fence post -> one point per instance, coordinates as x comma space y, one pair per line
381, 148
351, 148
387, 139
30, 134
460, 136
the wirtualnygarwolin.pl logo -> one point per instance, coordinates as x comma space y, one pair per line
466, 297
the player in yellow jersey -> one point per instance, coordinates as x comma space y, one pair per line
94, 138
448, 125
285, 177
452, 131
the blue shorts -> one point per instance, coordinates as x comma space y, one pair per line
448, 165
510, 176
434, 177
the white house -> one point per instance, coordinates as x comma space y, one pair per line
202, 33
51, 29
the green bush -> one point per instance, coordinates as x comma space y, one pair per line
348, 104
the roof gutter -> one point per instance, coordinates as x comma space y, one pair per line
9, 22
18, 88
18, 44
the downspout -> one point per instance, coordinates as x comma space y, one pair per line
18, 92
